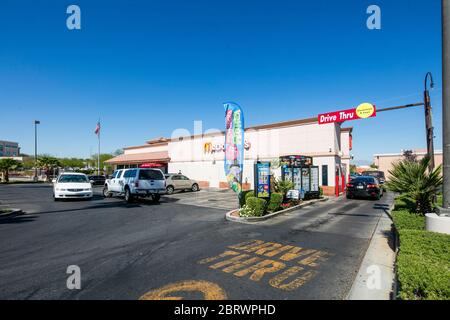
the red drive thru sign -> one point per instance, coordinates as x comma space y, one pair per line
363, 111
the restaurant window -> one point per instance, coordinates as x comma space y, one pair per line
325, 175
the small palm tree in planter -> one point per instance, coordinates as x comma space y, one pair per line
413, 180
6, 165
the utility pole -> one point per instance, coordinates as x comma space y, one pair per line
36, 122
446, 102
429, 121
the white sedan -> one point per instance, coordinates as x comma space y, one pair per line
72, 185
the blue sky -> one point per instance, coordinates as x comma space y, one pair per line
149, 67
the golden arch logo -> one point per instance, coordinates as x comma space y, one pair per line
174, 291
207, 147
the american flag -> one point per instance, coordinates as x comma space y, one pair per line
97, 128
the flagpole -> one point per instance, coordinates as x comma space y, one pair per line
98, 154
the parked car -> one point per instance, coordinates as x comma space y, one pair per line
98, 180
180, 182
70, 185
136, 183
364, 187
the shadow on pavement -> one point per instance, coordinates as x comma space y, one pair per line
32, 186
352, 214
105, 205
17, 219
384, 207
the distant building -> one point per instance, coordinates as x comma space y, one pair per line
385, 162
9, 149
362, 169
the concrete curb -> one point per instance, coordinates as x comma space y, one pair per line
13, 213
380, 257
249, 220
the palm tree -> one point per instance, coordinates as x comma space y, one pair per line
414, 180
6, 165
48, 163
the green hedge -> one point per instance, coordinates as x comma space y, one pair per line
254, 207
404, 203
245, 195
423, 267
276, 199
405, 220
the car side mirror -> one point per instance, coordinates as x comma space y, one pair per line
91, 181
54, 181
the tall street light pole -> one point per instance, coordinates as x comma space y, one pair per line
36, 122
429, 120
446, 102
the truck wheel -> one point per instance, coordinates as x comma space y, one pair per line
106, 192
128, 195
156, 197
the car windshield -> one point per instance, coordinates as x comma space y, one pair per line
68, 178
375, 174
150, 175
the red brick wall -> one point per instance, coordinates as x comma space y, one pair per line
223, 185
328, 191
203, 184
246, 186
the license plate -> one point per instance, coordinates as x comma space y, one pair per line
360, 187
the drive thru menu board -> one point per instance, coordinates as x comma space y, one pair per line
314, 179
305, 180
263, 179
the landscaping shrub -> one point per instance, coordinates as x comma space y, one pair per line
423, 268
276, 199
414, 180
405, 220
249, 194
245, 195
254, 207
404, 203
283, 186
423, 265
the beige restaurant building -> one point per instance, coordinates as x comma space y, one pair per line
201, 157
386, 161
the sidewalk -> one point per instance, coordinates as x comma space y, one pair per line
376, 276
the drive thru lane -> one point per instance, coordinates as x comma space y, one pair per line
149, 250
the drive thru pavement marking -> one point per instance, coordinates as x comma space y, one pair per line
210, 291
293, 267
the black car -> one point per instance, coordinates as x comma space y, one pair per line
364, 187
98, 180
376, 174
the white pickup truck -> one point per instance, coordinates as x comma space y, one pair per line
136, 183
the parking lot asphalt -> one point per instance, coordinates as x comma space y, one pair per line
208, 198
172, 249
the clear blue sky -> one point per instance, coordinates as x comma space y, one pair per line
148, 67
